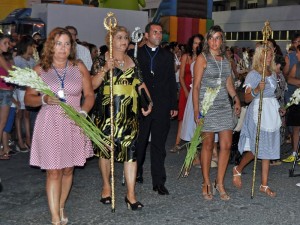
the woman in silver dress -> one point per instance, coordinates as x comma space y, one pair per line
212, 69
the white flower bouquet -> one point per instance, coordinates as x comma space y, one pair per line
295, 99
28, 77
207, 102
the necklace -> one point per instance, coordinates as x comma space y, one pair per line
220, 70
61, 78
151, 59
121, 63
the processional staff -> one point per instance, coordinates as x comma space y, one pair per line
266, 34
136, 37
109, 23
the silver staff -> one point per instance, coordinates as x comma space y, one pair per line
136, 37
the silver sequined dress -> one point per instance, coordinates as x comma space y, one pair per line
219, 116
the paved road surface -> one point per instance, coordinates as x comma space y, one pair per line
23, 200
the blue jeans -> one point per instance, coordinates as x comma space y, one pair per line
6, 97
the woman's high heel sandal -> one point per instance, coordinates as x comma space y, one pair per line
206, 193
64, 220
223, 195
133, 206
267, 190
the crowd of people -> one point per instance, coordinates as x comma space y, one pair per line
172, 79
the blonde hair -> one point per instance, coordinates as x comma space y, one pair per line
258, 59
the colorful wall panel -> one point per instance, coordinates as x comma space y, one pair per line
181, 28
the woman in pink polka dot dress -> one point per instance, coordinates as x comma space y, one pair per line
58, 144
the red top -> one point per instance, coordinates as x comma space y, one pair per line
3, 84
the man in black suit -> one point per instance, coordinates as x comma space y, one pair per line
157, 66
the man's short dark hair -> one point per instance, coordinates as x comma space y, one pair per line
148, 26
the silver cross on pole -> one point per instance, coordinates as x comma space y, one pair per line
136, 37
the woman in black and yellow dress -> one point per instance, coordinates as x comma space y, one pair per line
127, 83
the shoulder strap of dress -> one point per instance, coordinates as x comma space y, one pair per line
204, 56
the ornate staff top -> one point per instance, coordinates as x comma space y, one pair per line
110, 21
267, 31
136, 37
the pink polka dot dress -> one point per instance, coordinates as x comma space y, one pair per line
57, 142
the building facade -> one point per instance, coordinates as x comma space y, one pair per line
243, 20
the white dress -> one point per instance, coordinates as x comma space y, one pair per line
188, 122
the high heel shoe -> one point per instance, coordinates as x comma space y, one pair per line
206, 193
133, 206
106, 200
64, 220
223, 195
56, 223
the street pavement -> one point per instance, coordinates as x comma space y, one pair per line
23, 199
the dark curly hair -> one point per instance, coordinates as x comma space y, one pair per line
189, 46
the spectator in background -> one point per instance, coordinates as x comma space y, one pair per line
291, 59
6, 90
182, 47
194, 48
24, 59
245, 57
293, 113
234, 73
82, 52
103, 49
94, 51
7, 142
279, 92
277, 49
174, 48
36, 37
236, 54
12, 50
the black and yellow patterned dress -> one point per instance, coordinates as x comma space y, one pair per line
126, 111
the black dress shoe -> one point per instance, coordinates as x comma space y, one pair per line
161, 189
139, 179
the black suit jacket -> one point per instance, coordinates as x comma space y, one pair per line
162, 85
